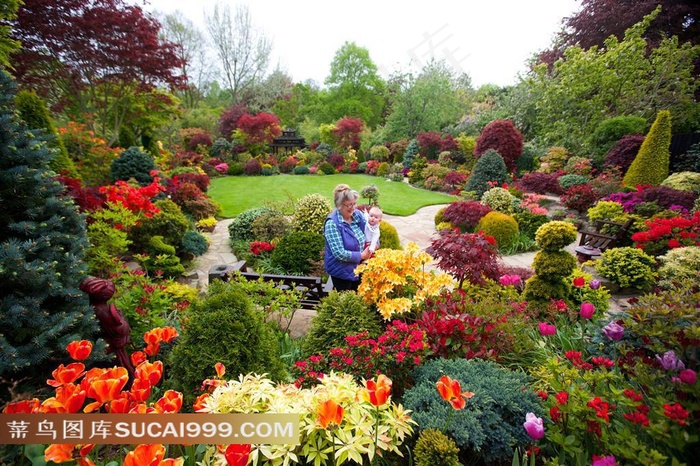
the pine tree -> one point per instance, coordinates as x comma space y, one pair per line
42, 246
650, 166
489, 170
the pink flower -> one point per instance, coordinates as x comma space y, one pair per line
688, 376
603, 461
614, 331
534, 426
507, 280
587, 310
547, 329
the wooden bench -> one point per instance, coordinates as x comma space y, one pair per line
593, 243
313, 289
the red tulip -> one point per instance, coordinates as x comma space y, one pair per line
451, 391
330, 412
79, 350
237, 454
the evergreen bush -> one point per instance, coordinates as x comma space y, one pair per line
503, 227
310, 213
42, 255
627, 267
528, 223
223, 327
491, 425
388, 236
383, 169
326, 168
679, 264
554, 160
568, 181
161, 259
610, 131
433, 448
241, 227
554, 264
301, 170
439, 216
133, 163
500, 199
683, 181
410, 154
555, 235
296, 253
271, 225
338, 316
651, 164
690, 161
170, 223
194, 243
489, 170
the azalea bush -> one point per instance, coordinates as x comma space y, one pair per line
397, 280
341, 420
664, 234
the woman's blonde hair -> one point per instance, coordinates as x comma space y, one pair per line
343, 193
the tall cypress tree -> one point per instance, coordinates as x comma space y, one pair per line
652, 161
42, 247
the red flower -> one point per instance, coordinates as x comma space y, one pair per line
676, 412
637, 418
66, 374
237, 454
562, 398
329, 412
79, 350
579, 282
601, 408
377, 392
555, 413
451, 391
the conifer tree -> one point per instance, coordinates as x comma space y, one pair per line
42, 246
652, 162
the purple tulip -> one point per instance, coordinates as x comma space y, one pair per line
594, 284
614, 331
534, 426
587, 310
670, 362
688, 376
547, 329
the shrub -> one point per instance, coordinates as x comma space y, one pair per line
581, 166
610, 131
465, 256
678, 265
336, 160
554, 160
198, 179
433, 447
326, 168
133, 163
502, 227
194, 243
410, 154
624, 151
541, 183
667, 197
338, 316
270, 226
198, 138
567, 181
455, 180
244, 343
434, 169
252, 167
651, 164
302, 170
500, 199
161, 260
439, 216
241, 227
528, 223
388, 236
489, 169
297, 252
383, 169
491, 425
555, 235
380, 153
663, 234
433, 183
170, 223
503, 137
220, 148
606, 210
579, 197
465, 214
235, 169
288, 164
554, 264
683, 181
627, 267
310, 213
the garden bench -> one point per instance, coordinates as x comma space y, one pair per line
313, 289
593, 243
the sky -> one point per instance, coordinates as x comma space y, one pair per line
490, 40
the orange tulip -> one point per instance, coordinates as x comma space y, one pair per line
171, 402
22, 407
66, 374
172, 462
220, 369
330, 412
451, 391
152, 372
106, 387
145, 455
200, 404
69, 399
140, 390
79, 350
377, 392
59, 453
237, 454
168, 334
142, 408
137, 357
92, 374
152, 349
121, 405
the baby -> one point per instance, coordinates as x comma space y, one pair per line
372, 217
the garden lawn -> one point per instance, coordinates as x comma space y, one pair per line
238, 193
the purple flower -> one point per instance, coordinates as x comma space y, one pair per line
670, 362
688, 376
614, 331
587, 310
547, 329
534, 426
603, 461
594, 284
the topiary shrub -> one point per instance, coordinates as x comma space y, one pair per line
555, 235
554, 264
161, 260
503, 137
503, 228
500, 199
133, 163
683, 181
540, 183
193, 243
310, 213
579, 197
491, 425
680, 264
627, 267
388, 236
223, 327
241, 227
567, 181
528, 223
651, 164
297, 252
465, 214
489, 169
338, 316
170, 223
433, 447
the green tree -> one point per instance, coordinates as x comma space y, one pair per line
424, 103
42, 247
651, 164
589, 86
355, 87
8, 11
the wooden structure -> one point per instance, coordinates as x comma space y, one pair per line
288, 141
593, 243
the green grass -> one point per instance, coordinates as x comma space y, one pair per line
238, 193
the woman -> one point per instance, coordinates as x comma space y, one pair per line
344, 231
